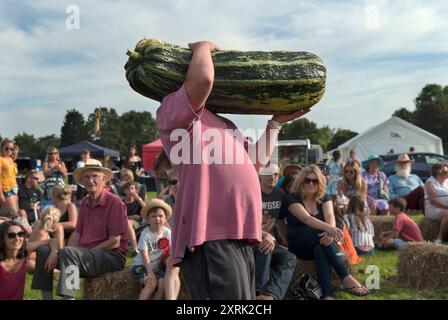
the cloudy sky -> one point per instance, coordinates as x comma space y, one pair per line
379, 54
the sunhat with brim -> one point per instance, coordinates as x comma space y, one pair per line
365, 163
78, 173
404, 158
156, 203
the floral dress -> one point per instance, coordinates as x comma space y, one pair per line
373, 188
334, 175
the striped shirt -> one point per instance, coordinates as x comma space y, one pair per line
360, 237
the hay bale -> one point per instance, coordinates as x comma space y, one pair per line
382, 224
429, 228
423, 265
309, 267
119, 285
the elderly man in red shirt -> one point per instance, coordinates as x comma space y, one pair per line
99, 243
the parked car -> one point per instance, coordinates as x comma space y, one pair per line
421, 166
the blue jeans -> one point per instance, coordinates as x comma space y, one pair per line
283, 263
306, 246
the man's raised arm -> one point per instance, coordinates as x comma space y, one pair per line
201, 73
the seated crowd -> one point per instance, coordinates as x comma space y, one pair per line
306, 215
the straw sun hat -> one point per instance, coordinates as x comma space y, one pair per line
156, 203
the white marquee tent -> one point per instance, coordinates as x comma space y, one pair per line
395, 134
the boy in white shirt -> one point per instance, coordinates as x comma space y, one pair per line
154, 246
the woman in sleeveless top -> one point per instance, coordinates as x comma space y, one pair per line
12, 261
436, 198
55, 171
45, 229
61, 197
134, 162
8, 171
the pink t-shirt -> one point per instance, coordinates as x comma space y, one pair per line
214, 201
107, 218
12, 285
407, 228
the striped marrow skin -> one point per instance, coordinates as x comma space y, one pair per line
246, 82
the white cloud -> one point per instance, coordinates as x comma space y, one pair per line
46, 69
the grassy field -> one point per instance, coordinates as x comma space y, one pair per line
386, 261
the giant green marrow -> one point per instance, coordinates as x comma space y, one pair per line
246, 82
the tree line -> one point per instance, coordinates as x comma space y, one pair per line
116, 132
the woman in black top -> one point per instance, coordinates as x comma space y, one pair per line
134, 162
312, 231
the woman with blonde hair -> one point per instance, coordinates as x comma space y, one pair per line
352, 184
312, 231
47, 227
61, 197
55, 171
8, 171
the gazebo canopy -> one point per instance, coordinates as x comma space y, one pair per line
95, 150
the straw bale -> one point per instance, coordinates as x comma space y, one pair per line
120, 285
382, 224
429, 228
423, 265
309, 267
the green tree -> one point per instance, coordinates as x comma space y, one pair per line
405, 114
305, 129
339, 137
74, 128
29, 146
48, 141
137, 128
110, 129
431, 111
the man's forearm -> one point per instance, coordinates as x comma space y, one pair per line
109, 244
265, 146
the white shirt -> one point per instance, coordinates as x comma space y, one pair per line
149, 242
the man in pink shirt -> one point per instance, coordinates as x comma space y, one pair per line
405, 229
218, 204
99, 243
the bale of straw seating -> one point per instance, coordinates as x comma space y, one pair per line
309, 267
423, 265
429, 228
119, 285
382, 224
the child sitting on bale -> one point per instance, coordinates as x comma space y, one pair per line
405, 229
150, 264
359, 225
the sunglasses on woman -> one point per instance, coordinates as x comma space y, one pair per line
13, 235
172, 182
349, 171
313, 181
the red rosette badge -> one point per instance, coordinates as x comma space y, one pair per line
164, 244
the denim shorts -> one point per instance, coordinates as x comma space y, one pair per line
13, 192
139, 272
398, 243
